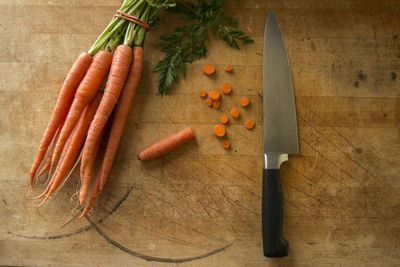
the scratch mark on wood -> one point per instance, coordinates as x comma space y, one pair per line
301, 191
245, 175
80, 230
178, 207
151, 258
331, 142
238, 185
337, 132
348, 174
309, 179
164, 236
210, 236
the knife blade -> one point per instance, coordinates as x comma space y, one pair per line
280, 134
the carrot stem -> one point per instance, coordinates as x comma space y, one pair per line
116, 23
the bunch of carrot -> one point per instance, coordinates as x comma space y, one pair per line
93, 105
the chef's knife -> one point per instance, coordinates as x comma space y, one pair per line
280, 134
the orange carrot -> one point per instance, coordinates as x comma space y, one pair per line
216, 104
121, 113
214, 94
116, 79
208, 69
226, 88
244, 102
75, 142
224, 119
225, 143
202, 93
87, 175
249, 124
209, 102
235, 113
228, 68
45, 191
50, 178
219, 130
64, 151
85, 93
48, 160
65, 98
47, 164
94, 192
167, 144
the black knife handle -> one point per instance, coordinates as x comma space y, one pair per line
272, 215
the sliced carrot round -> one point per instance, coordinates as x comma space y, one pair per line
214, 94
249, 124
202, 93
208, 69
226, 88
209, 102
228, 68
225, 143
217, 104
224, 119
219, 130
235, 113
244, 102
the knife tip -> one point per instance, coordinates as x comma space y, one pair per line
271, 12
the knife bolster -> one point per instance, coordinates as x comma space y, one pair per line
274, 161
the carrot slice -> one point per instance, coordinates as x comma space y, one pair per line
228, 68
209, 102
224, 119
249, 124
216, 104
202, 93
235, 113
219, 130
244, 102
225, 143
226, 88
214, 94
208, 69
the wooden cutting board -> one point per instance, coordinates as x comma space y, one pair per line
201, 204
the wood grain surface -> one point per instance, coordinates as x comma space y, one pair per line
201, 204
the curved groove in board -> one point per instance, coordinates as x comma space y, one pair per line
151, 258
83, 229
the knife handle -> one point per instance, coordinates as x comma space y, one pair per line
272, 215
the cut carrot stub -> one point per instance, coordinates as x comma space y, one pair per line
228, 68
219, 130
235, 113
226, 88
217, 104
244, 102
209, 102
225, 143
208, 69
167, 144
224, 119
249, 124
202, 93
214, 94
